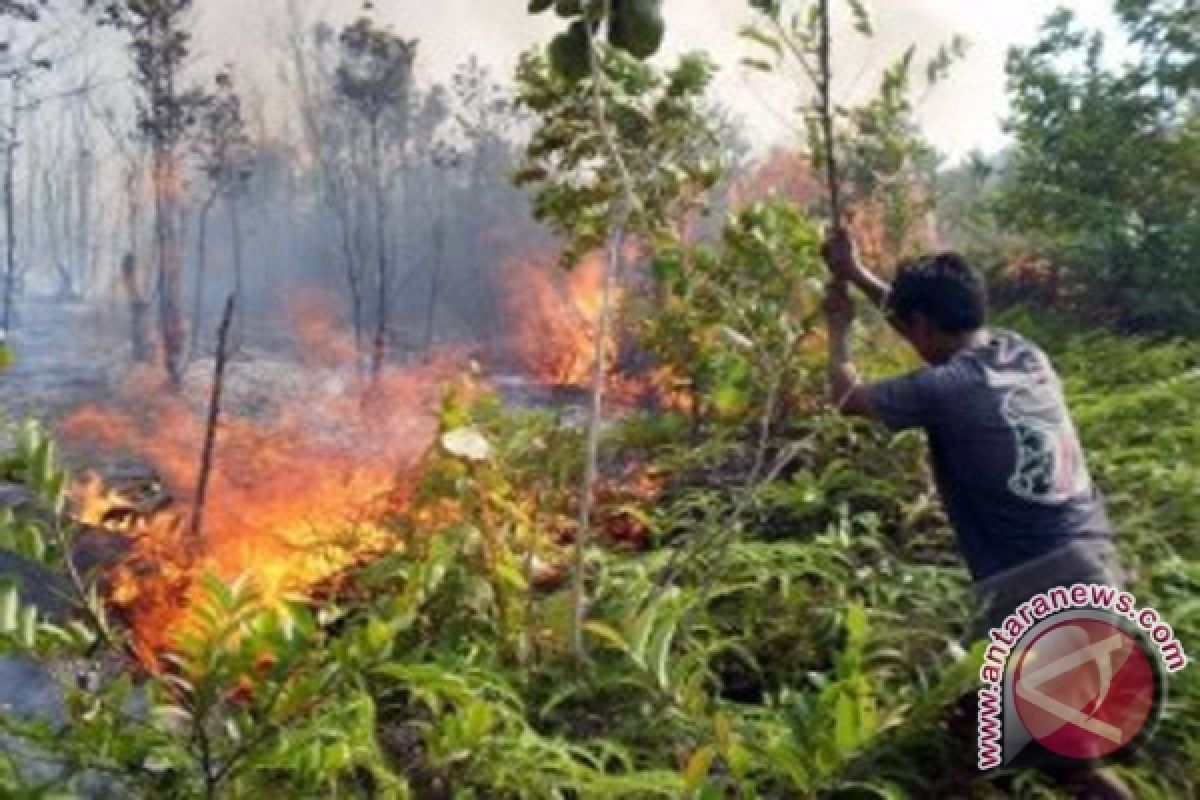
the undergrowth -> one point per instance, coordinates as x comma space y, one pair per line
794, 639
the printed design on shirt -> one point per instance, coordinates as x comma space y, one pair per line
1050, 467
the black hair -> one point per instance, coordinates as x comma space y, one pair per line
944, 289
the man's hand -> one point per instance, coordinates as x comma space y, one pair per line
844, 391
840, 256
839, 307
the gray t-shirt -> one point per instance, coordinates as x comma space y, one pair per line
1006, 456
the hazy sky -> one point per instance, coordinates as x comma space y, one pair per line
962, 113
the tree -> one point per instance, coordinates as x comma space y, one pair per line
1105, 173
873, 157
890, 167
443, 159
133, 157
620, 150
374, 78
18, 71
160, 41
225, 156
488, 117
327, 134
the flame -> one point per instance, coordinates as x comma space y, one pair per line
311, 461
556, 317
555, 320
299, 491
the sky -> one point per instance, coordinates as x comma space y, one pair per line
960, 114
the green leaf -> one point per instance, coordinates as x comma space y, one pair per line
698, 766
769, 8
28, 627
723, 731
10, 605
568, 8
862, 19
608, 634
850, 659
761, 37
171, 715
846, 724
757, 64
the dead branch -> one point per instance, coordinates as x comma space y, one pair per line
214, 415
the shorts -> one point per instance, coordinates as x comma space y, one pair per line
1083, 560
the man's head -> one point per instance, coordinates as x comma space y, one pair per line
937, 302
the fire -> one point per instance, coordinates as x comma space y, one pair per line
308, 469
311, 459
556, 316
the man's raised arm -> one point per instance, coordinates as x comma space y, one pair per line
846, 394
843, 262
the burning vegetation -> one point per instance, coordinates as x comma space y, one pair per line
300, 490
313, 458
555, 315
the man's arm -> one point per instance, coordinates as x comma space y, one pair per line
843, 261
910, 401
845, 392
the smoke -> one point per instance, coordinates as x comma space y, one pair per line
963, 114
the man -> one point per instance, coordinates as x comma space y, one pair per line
1006, 458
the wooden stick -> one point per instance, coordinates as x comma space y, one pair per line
214, 416
825, 90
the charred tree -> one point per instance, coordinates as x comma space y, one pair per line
159, 41
374, 78
139, 312
17, 73
226, 157
201, 271
208, 455
325, 135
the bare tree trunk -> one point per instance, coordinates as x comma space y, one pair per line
10, 228
336, 195
210, 429
139, 312
825, 112
357, 312
83, 233
52, 204
621, 212
29, 237
379, 350
171, 327
595, 422
233, 208
201, 273
69, 290
133, 206
489, 324
435, 280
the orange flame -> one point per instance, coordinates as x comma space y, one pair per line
556, 316
297, 494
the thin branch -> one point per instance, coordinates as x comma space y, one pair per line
621, 214
825, 91
210, 432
